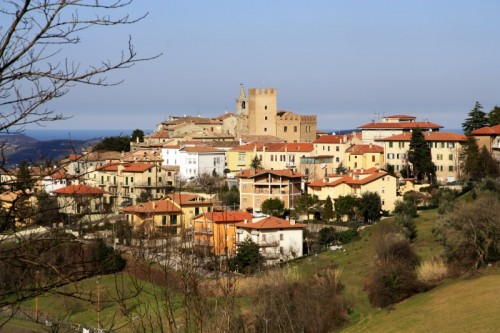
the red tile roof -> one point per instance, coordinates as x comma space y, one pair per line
188, 199
364, 149
333, 138
402, 125
276, 147
369, 175
250, 173
80, 189
228, 216
493, 130
159, 135
154, 207
429, 136
271, 222
127, 167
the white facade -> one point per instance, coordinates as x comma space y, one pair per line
194, 161
278, 243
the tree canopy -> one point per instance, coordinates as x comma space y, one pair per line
476, 119
114, 143
273, 206
419, 155
494, 116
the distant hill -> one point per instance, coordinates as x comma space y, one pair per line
19, 147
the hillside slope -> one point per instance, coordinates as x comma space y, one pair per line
459, 306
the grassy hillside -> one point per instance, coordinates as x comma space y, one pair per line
466, 305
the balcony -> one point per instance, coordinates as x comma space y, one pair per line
202, 242
271, 243
204, 231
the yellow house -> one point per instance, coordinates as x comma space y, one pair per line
356, 182
81, 202
445, 151
216, 232
273, 156
368, 156
173, 214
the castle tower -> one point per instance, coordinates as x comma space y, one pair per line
242, 113
262, 109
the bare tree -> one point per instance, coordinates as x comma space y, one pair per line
33, 35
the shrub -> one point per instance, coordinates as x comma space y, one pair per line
405, 207
393, 277
407, 224
432, 271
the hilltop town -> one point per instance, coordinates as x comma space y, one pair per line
211, 188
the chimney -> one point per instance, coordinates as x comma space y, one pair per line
245, 221
292, 221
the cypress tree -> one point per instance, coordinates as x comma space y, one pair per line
420, 156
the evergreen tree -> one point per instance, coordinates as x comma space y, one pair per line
494, 116
346, 205
24, 182
476, 119
469, 158
328, 209
341, 169
371, 206
419, 155
248, 258
273, 206
114, 143
137, 134
305, 203
256, 163
486, 164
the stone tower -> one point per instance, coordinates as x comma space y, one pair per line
242, 113
262, 109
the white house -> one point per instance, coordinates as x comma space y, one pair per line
194, 160
278, 239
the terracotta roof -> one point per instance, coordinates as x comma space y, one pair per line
429, 136
228, 216
493, 130
276, 147
158, 206
80, 189
271, 222
170, 146
365, 177
201, 149
333, 138
250, 173
188, 199
401, 125
226, 115
364, 149
127, 167
159, 135
10, 196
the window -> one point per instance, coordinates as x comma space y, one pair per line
390, 144
281, 237
164, 220
197, 211
244, 200
265, 108
439, 157
450, 157
450, 168
337, 159
295, 129
337, 148
285, 129
390, 156
265, 129
265, 118
173, 219
263, 237
373, 158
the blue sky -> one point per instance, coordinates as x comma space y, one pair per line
345, 61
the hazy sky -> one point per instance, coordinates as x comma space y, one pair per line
345, 61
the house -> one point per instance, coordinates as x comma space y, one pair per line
81, 202
394, 125
278, 239
258, 185
215, 232
445, 151
126, 182
275, 155
82, 165
194, 159
55, 180
490, 138
356, 182
170, 215
360, 156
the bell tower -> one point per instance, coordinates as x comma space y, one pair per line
242, 113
